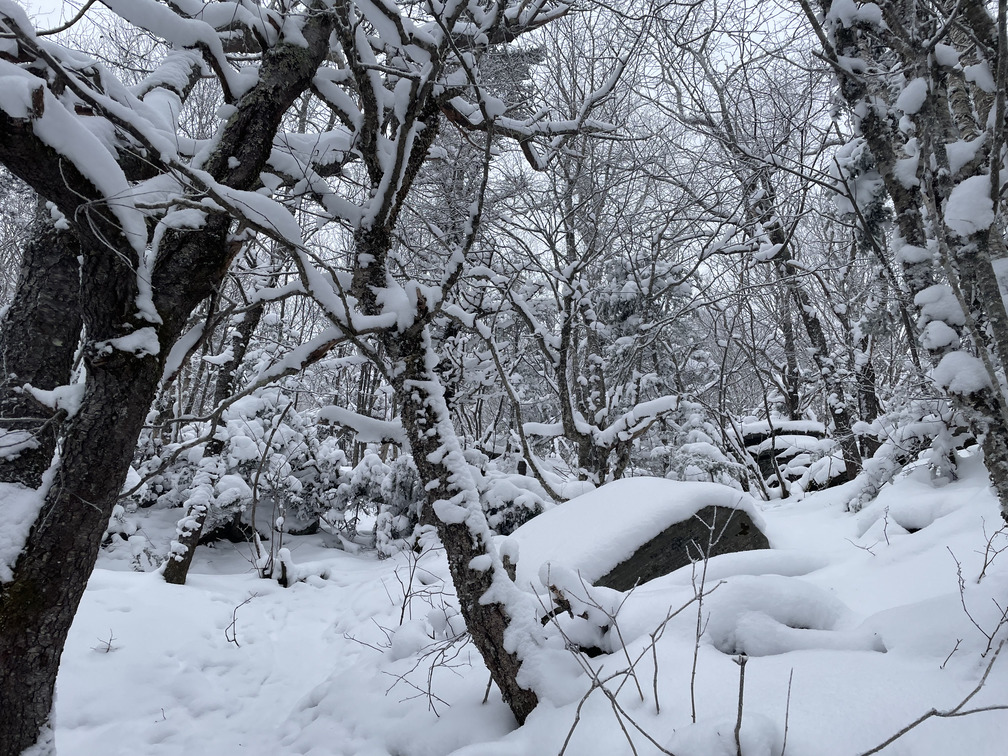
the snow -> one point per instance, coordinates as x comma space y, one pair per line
969, 208
913, 96
142, 342
67, 398
937, 335
962, 152
634, 510
980, 74
843, 11
20, 508
326, 667
961, 373
946, 55
939, 302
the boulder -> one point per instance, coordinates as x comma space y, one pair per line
684, 542
634, 530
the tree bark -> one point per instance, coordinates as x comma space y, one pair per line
38, 605
38, 339
438, 456
37, 608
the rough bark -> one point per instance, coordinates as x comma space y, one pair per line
37, 607
436, 451
428, 428
38, 338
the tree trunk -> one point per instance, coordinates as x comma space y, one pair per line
38, 339
38, 605
439, 460
453, 503
765, 211
37, 608
189, 530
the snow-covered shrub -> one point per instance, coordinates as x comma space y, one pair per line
929, 427
359, 493
268, 466
403, 497
509, 499
691, 451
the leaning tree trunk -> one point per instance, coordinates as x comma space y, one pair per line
37, 608
453, 504
38, 338
451, 495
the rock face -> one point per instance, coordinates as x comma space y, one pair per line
684, 542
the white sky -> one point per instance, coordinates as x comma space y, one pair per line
50, 12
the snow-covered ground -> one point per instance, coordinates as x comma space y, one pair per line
855, 611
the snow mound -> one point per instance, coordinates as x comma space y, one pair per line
600, 529
768, 615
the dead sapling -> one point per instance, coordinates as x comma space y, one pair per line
991, 550
700, 554
1002, 619
787, 713
231, 631
741, 660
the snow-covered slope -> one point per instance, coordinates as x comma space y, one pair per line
326, 667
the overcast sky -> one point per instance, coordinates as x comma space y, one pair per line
50, 11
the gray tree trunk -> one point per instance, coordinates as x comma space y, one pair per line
38, 339
37, 607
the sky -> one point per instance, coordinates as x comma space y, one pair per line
50, 11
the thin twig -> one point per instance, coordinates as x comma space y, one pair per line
231, 631
741, 660
787, 712
956, 711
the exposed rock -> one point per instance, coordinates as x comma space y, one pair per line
686, 541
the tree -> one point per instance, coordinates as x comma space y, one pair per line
159, 219
934, 126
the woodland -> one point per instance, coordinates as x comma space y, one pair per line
386, 281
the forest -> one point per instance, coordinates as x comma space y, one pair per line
351, 351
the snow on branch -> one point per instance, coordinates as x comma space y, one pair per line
367, 429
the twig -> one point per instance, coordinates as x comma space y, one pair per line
698, 591
962, 599
958, 641
486, 696
231, 631
956, 711
741, 660
991, 551
787, 712
107, 644
863, 548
